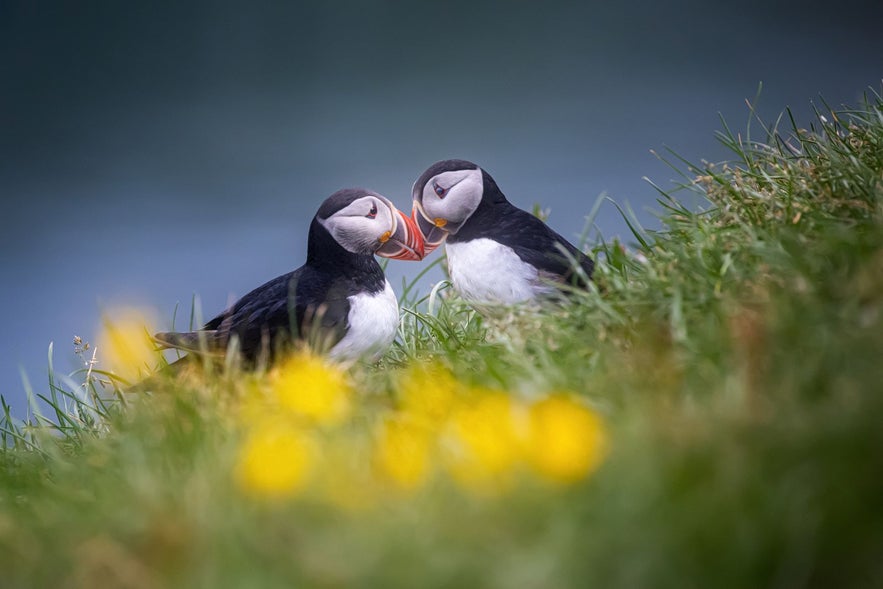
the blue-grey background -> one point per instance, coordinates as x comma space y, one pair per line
149, 151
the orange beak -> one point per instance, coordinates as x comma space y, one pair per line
404, 242
431, 230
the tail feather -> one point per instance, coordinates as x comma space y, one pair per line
192, 341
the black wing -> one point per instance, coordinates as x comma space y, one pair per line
283, 310
321, 306
537, 244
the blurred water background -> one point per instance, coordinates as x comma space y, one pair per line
150, 151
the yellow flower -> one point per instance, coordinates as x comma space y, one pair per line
428, 392
309, 386
124, 346
403, 452
566, 440
275, 460
483, 442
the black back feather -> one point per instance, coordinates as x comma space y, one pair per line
532, 240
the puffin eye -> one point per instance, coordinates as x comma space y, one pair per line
441, 192
373, 212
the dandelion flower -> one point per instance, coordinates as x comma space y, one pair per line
309, 386
275, 460
403, 452
428, 392
483, 443
124, 346
566, 441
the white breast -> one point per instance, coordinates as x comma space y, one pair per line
373, 320
486, 272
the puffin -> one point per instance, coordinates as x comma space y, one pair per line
497, 254
339, 302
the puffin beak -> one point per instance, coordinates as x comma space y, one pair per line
432, 230
404, 242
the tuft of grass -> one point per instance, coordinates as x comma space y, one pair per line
733, 356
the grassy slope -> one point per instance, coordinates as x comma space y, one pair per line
738, 361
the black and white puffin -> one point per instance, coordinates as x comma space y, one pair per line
338, 301
497, 253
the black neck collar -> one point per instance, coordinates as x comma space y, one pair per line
492, 206
326, 255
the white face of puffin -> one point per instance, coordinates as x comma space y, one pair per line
446, 202
373, 225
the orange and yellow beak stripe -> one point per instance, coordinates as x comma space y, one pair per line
404, 242
430, 229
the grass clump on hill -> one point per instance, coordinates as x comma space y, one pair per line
710, 415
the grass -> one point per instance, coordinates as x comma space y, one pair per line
734, 358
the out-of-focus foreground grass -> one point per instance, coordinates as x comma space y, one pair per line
709, 416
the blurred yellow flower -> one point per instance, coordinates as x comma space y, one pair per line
403, 452
483, 443
428, 392
566, 440
310, 386
483, 439
123, 345
275, 460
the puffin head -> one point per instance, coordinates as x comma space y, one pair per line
445, 196
364, 222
